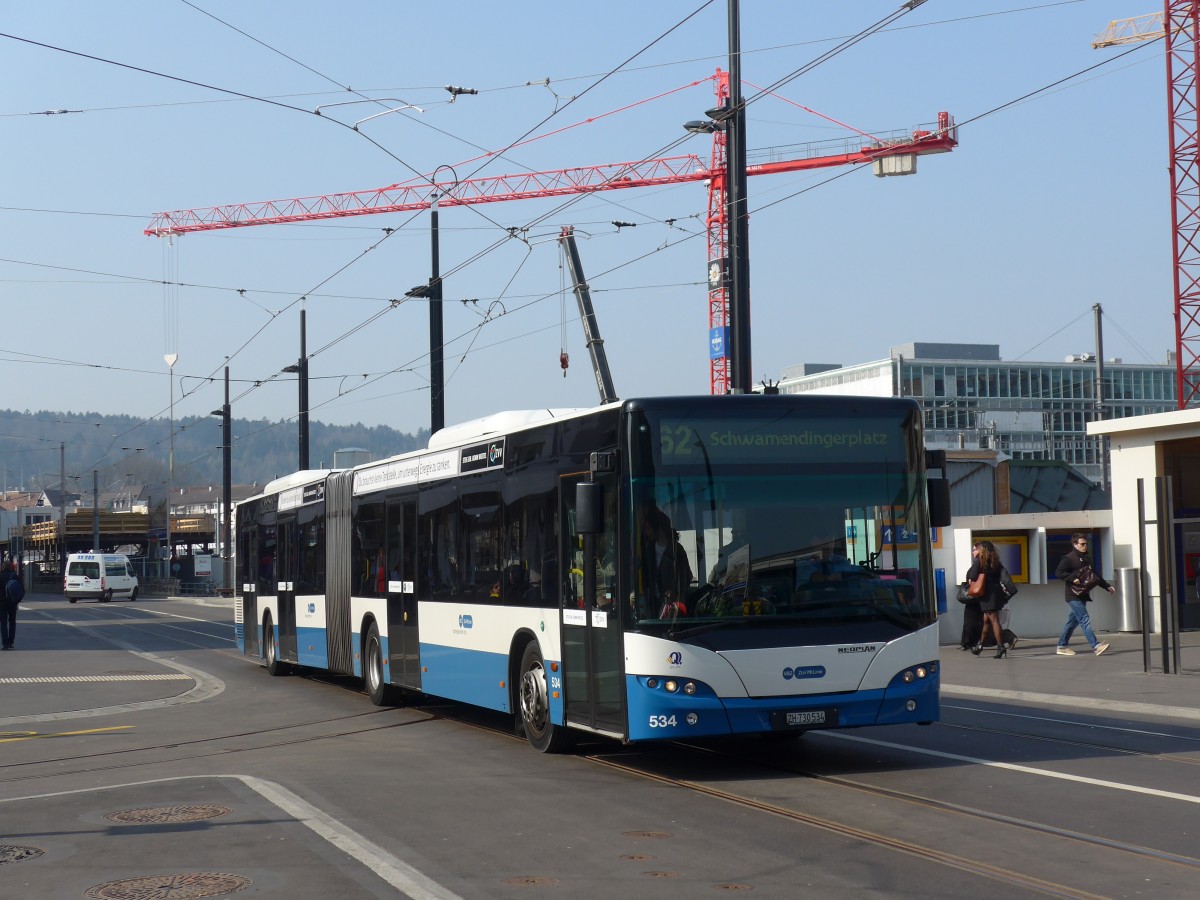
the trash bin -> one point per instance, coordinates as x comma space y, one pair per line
1129, 594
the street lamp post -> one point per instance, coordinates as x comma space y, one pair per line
170, 359
301, 371
731, 119
433, 292
226, 484
739, 214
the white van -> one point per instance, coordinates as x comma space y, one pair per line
99, 576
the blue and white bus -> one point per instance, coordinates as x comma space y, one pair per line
663, 568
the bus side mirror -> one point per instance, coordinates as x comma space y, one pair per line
589, 507
939, 502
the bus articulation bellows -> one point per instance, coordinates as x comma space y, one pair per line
660, 568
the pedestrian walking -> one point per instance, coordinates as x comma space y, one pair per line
972, 616
1079, 576
992, 600
9, 599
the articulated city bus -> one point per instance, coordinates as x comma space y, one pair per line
664, 568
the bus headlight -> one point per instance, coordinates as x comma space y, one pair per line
671, 685
652, 683
689, 688
908, 676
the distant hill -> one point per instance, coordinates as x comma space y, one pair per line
128, 449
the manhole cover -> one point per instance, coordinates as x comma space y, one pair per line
169, 887
10, 853
167, 815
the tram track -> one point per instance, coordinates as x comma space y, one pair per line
1137, 850
930, 854
127, 758
127, 753
267, 738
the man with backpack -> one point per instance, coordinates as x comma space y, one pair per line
12, 591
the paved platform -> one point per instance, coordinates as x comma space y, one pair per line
1115, 681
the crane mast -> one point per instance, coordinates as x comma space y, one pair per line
1179, 25
587, 315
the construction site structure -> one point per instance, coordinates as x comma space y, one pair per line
895, 154
1178, 25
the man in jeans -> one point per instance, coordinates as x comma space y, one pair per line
1068, 571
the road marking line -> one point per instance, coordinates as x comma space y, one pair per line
399, 874
8, 737
1146, 709
207, 686
59, 679
1013, 767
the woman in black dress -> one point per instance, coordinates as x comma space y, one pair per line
993, 599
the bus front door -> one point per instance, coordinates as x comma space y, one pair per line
591, 626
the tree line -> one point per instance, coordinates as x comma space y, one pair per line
125, 450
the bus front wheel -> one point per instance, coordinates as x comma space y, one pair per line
543, 734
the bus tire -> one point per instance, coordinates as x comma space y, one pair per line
270, 651
542, 734
374, 679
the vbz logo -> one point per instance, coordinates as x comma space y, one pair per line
465, 622
675, 659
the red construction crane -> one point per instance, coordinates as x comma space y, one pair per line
894, 155
1179, 25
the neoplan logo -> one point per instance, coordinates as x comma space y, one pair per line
858, 648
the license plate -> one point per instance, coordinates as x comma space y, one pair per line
814, 717
805, 718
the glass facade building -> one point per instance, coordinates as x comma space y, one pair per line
1028, 410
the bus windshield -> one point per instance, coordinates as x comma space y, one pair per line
778, 522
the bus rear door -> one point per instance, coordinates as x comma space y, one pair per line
285, 568
403, 646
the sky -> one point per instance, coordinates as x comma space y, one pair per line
115, 112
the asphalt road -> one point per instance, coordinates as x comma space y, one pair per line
142, 757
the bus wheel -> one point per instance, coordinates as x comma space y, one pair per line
380, 692
543, 734
270, 651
